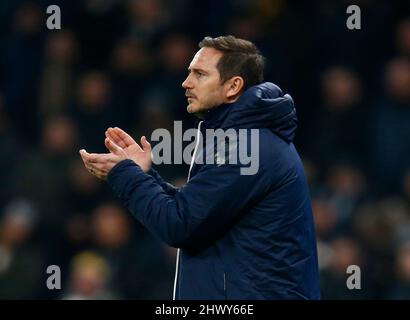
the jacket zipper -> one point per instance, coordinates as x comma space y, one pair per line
189, 176
224, 282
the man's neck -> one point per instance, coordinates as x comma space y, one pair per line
201, 115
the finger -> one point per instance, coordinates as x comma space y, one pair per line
110, 133
90, 168
112, 146
84, 156
97, 173
93, 167
145, 144
95, 157
125, 137
82, 152
101, 169
101, 175
97, 167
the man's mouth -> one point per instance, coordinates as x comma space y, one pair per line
190, 96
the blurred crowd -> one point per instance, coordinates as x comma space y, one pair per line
121, 63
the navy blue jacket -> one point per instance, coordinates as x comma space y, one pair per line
240, 236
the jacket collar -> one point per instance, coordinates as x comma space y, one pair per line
215, 117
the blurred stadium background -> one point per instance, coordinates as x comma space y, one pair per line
121, 63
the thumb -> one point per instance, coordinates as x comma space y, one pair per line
146, 146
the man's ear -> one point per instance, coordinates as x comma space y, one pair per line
234, 87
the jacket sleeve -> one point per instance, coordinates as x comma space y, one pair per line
201, 211
168, 188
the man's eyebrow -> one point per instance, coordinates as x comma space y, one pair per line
197, 70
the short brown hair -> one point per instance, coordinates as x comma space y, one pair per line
240, 58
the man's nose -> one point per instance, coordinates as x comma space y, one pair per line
187, 84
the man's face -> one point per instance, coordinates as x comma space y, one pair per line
203, 85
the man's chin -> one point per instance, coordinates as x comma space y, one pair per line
195, 111
192, 109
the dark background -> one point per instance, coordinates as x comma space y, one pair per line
121, 63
